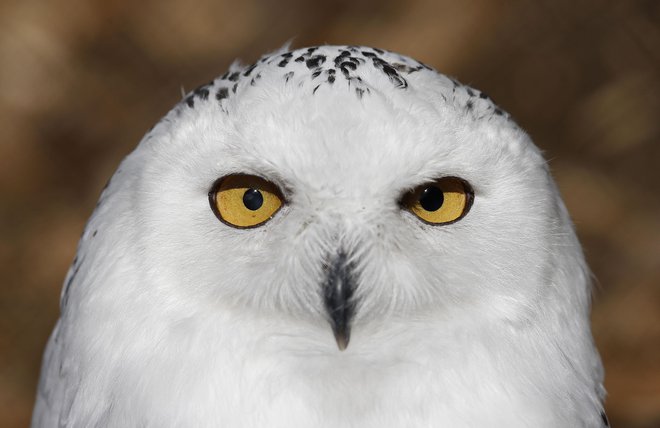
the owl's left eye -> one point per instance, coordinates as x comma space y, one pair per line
443, 201
244, 201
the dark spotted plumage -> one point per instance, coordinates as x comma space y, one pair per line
249, 70
357, 67
222, 94
315, 61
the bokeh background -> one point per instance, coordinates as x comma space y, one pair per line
82, 80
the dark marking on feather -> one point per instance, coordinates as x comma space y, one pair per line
222, 94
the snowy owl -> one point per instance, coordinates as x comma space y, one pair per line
334, 236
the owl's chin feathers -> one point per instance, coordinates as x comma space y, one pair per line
458, 371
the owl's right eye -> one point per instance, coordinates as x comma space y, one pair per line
244, 201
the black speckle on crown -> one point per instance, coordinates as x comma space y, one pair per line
390, 71
201, 92
249, 69
319, 66
222, 94
315, 61
190, 100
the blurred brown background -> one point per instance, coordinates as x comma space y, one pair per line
81, 81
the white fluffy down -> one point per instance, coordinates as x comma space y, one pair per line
172, 318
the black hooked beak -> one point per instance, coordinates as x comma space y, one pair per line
338, 292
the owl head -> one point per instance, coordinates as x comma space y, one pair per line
338, 188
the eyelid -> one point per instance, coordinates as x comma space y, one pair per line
263, 171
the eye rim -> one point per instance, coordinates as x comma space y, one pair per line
408, 199
215, 190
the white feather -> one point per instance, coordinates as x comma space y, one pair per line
172, 318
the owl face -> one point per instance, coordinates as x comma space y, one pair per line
342, 187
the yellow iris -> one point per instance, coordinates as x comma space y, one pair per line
244, 200
443, 201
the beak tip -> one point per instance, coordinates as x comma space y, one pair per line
342, 341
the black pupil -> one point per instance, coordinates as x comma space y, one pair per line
253, 199
431, 199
